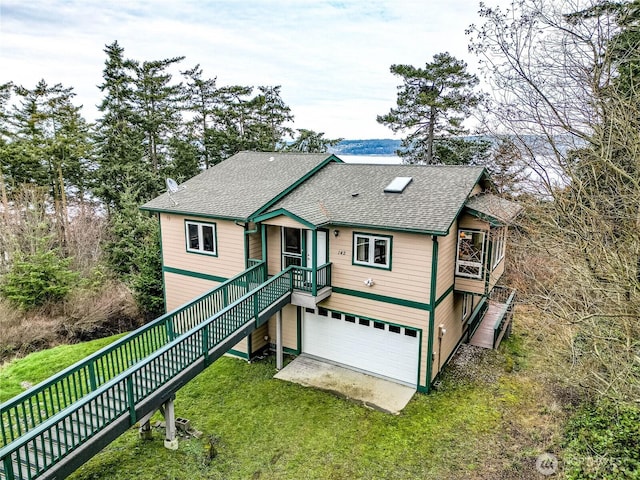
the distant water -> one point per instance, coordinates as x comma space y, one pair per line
375, 159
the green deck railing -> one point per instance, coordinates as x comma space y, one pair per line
506, 297
119, 402
303, 278
36, 405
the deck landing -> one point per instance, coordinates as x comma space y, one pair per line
483, 336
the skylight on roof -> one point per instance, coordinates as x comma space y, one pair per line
398, 185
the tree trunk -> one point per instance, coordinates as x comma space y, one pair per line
431, 135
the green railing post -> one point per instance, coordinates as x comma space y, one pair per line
169, 327
205, 345
92, 376
8, 468
131, 400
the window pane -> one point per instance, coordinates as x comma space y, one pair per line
207, 238
194, 239
292, 240
470, 247
380, 252
291, 261
362, 250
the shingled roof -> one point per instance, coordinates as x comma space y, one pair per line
498, 210
353, 194
241, 185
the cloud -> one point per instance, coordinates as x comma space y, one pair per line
332, 57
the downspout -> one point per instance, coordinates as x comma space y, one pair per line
247, 232
432, 309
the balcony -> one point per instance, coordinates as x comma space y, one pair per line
309, 290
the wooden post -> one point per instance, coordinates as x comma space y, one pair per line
279, 340
170, 439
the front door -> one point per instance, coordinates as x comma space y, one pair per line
291, 247
322, 248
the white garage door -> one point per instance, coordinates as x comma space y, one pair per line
375, 347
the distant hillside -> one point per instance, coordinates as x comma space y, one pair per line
366, 147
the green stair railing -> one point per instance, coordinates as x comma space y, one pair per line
117, 404
36, 405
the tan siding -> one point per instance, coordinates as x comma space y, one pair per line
387, 312
181, 289
274, 249
230, 246
477, 189
241, 346
410, 274
469, 285
258, 338
449, 314
289, 328
469, 221
255, 242
446, 261
284, 221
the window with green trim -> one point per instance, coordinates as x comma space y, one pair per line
371, 250
201, 237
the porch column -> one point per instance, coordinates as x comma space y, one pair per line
263, 234
279, 349
314, 262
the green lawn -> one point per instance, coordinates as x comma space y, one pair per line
269, 429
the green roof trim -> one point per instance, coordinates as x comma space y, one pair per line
330, 159
187, 214
483, 174
286, 213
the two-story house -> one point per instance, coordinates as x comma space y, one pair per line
396, 264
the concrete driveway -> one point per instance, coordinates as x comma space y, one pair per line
374, 392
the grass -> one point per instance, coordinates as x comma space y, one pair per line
490, 420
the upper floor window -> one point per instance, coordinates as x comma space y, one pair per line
498, 241
201, 237
372, 250
471, 246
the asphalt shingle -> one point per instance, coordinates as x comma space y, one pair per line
354, 194
238, 186
495, 207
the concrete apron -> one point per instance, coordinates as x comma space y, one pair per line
374, 392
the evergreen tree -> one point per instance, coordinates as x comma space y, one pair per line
119, 138
268, 128
309, 141
158, 105
202, 100
133, 251
432, 104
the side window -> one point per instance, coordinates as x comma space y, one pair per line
201, 237
471, 245
467, 306
372, 250
498, 240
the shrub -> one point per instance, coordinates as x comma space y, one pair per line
39, 277
602, 442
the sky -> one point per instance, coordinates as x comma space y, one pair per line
331, 58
